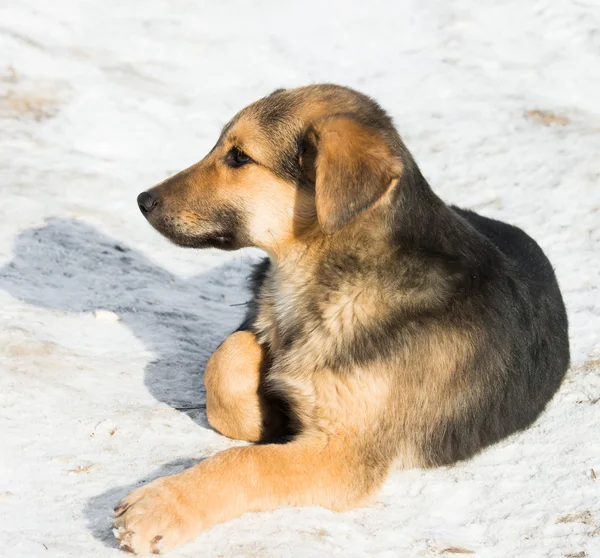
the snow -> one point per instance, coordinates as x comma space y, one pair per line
105, 326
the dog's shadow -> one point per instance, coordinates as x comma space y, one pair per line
69, 266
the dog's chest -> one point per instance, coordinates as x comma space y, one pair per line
297, 313
283, 307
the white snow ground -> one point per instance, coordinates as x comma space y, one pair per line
101, 99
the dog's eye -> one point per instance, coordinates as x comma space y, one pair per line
236, 158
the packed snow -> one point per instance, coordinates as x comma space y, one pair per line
105, 327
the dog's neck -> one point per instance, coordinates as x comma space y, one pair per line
365, 241
333, 283
406, 216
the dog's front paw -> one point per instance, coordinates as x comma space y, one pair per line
155, 518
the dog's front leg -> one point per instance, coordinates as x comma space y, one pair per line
312, 470
235, 404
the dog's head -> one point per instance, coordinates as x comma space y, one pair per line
295, 164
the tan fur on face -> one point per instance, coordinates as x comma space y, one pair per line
279, 218
351, 164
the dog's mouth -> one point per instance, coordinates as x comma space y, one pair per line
207, 240
205, 233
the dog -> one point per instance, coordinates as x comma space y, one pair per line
385, 327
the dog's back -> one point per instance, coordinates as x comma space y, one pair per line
528, 315
515, 244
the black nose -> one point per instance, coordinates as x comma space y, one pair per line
147, 202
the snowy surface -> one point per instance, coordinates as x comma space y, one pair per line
105, 327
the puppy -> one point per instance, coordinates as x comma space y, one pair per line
385, 326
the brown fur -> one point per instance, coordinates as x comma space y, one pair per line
353, 169
235, 406
360, 324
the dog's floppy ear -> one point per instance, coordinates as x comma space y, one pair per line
352, 166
